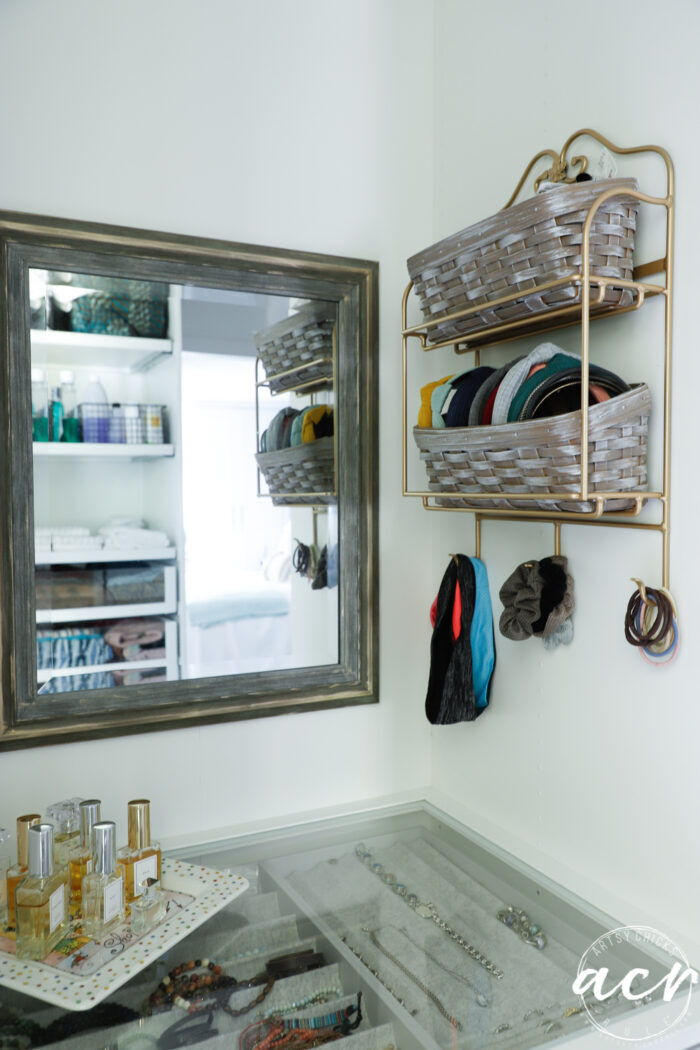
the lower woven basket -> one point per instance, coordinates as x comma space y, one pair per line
541, 456
294, 474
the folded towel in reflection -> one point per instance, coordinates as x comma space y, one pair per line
134, 632
70, 543
121, 537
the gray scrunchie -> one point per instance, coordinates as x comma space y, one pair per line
521, 595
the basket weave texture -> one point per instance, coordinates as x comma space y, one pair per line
542, 455
300, 469
296, 341
524, 246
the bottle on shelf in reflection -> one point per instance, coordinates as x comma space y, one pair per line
104, 906
80, 864
17, 872
141, 857
66, 818
41, 898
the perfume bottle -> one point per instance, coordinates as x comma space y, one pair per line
17, 872
141, 858
103, 889
148, 909
66, 818
80, 864
4, 865
41, 898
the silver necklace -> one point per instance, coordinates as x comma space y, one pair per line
411, 976
424, 908
480, 998
375, 973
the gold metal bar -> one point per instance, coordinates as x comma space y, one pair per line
557, 538
552, 517
646, 269
404, 383
292, 371
572, 278
477, 536
585, 332
536, 323
425, 326
477, 358
529, 497
571, 311
668, 337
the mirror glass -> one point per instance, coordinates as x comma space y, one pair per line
184, 451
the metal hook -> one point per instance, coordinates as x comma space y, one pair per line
642, 590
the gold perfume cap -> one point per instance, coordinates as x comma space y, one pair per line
23, 825
139, 823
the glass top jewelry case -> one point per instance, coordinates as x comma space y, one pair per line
399, 932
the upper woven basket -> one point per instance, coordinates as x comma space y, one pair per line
300, 347
521, 248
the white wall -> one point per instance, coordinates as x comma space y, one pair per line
275, 123
587, 762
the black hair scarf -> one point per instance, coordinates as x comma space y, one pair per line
450, 696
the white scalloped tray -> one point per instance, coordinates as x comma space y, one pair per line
211, 891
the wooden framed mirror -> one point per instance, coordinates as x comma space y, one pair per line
189, 472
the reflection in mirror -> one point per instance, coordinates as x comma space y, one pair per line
185, 468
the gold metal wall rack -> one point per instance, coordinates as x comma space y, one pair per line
591, 307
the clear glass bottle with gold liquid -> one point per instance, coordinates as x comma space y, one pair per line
17, 872
141, 858
80, 864
41, 899
66, 818
103, 905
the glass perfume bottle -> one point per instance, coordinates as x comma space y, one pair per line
80, 864
66, 818
17, 872
148, 909
41, 898
4, 865
104, 906
141, 857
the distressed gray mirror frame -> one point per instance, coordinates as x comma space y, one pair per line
28, 241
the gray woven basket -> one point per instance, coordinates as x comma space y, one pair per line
294, 343
300, 469
521, 247
542, 455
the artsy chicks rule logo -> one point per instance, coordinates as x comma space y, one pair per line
658, 971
